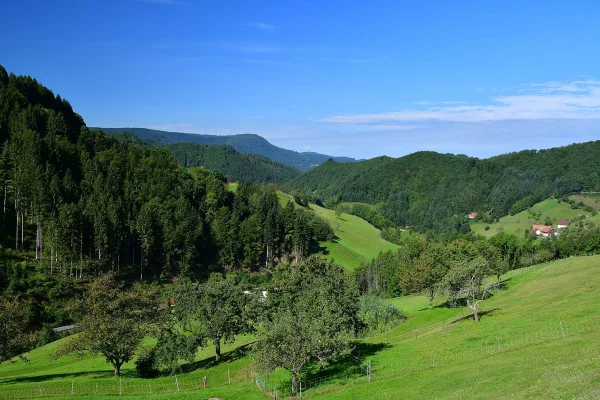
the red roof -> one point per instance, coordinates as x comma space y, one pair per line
474, 214
542, 228
564, 222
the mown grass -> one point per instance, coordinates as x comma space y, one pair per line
516, 351
356, 242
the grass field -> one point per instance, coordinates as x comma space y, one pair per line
539, 337
518, 223
517, 350
357, 240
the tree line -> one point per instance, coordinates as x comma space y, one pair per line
457, 265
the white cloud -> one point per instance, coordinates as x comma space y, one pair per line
574, 100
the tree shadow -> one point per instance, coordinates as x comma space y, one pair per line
481, 314
209, 362
349, 365
315, 248
88, 374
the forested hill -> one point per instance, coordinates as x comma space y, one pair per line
236, 166
244, 143
433, 190
82, 202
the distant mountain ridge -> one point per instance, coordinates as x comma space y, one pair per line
244, 143
236, 166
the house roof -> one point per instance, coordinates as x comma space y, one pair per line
563, 222
542, 228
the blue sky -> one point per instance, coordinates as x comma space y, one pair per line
360, 79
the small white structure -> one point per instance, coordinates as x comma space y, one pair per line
563, 223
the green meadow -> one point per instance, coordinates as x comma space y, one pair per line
356, 242
538, 337
518, 223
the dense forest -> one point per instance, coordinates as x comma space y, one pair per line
236, 166
435, 191
244, 143
77, 202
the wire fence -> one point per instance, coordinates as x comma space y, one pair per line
525, 335
123, 386
360, 373
310, 387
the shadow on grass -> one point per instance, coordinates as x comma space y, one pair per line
88, 374
209, 362
349, 365
482, 315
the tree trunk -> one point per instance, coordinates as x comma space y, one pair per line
475, 315
218, 349
142, 265
4, 209
17, 234
117, 369
294, 382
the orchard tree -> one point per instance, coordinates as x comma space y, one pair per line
466, 279
114, 321
424, 274
215, 311
14, 338
312, 318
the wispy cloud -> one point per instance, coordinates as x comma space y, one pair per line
556, 100
263, 26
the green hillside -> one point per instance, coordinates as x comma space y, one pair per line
434, 191
538, 338
539, 214
357, 241
244, 143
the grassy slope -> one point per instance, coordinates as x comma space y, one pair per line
20, 380
534, 361
460, 361
518, 223
358, 241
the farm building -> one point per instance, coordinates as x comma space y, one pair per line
543, 230
563, 223
473, 215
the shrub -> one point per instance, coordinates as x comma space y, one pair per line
145, 365
47, 335
487, 227
377, 315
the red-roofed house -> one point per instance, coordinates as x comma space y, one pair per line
563, 223
543, 230
473, 215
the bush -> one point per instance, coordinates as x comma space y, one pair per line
47, 335
145, 365
377, 315
487, 227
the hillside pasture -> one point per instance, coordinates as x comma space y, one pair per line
356, 242
518, 223
538, 337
